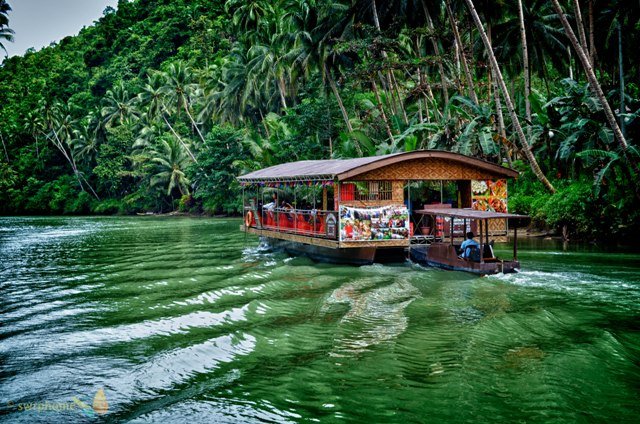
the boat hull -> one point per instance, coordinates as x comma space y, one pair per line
444, 256
351, 256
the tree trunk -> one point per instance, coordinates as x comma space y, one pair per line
179, 138
193, 123
436, 50
400, 102
525, 63
428, 96
6, 154
69, 157
570, 65
592, 42
507, 98
391, 81
501, 128
384, 116
622, 106
465, 65
332, 84
281, 90
591, 77
580, 25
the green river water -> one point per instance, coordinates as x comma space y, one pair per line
187, 320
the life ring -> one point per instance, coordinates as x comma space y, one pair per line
248, 219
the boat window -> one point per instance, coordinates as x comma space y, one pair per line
369, 190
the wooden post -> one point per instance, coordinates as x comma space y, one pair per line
486, 226
515, 243
481, 244
451, 230
324, 198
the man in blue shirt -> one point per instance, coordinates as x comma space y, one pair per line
465, 246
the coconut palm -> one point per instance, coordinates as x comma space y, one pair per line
35, 125
170, 162
6, 33
152, 94
84, 144
505, 93
248, 14
119, 107
59, 130
591, 77
545, 41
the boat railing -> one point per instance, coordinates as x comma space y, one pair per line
310, 222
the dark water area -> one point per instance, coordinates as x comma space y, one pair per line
189, 320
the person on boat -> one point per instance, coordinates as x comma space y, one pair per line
272, 204
466, 245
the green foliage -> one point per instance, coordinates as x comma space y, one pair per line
111, 207
214, 174
570, 206
161, 104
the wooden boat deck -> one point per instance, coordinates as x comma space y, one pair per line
319, 241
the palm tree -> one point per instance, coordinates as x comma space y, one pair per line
59, 130
118, 106
268, 65
170, 161
6, 33
84, 144
593, 81
35, 124
610, 161
152, 94
458, 40
248, 14
505, 93
545, 41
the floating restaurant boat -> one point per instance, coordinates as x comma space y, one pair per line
361, 210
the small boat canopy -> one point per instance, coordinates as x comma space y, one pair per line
468, 213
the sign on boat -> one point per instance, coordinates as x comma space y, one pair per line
372, 209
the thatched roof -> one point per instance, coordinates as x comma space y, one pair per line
343, 169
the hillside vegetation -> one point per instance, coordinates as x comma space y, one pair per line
161, 103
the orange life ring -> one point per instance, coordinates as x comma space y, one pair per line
248, 219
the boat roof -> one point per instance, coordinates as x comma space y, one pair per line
343, 169
467, 213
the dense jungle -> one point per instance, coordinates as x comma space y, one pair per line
160, 104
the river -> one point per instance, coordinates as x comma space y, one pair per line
189, 320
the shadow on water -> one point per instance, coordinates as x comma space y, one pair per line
189, 320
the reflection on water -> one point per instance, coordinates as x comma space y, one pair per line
376, 310
189, 320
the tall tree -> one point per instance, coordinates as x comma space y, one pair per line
6, 33
170, 162
591, 77
179, 88
507, 98
525, 63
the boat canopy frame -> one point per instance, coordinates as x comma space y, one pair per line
481, 217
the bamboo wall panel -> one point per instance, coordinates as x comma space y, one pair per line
398, 191
427, 169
